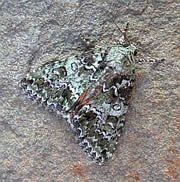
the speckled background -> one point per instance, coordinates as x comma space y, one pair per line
36, 145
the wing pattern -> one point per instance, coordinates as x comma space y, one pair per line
91, 91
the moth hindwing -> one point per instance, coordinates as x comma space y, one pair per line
91, 91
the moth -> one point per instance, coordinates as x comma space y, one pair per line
91, 91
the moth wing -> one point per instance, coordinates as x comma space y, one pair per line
60, 83
50, 84
99, 124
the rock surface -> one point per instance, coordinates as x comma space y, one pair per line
36, 145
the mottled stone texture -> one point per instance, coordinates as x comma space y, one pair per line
38, 146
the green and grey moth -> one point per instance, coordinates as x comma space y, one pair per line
91, 91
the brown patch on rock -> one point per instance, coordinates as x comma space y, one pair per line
171, 171
133, 175
80, 171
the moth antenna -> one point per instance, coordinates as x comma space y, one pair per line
118, 28
124, 33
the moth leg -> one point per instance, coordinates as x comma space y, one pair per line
157, 62
153, 62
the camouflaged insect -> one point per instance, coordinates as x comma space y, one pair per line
91, 91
